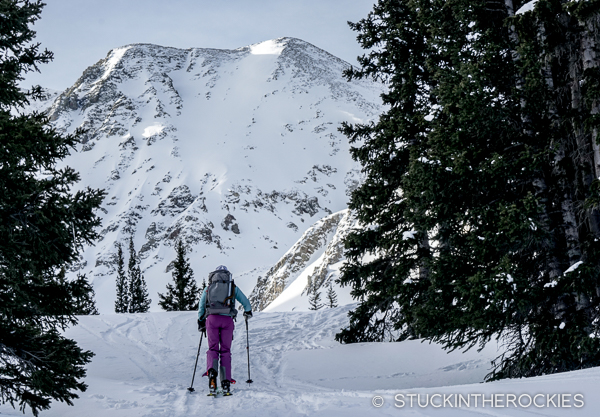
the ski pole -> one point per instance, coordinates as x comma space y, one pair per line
191, 388
249, 381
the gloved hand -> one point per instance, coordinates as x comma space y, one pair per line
248, 314
202, 325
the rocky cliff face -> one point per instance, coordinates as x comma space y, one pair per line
234, 151
317, 254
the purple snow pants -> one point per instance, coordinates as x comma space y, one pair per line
219, 330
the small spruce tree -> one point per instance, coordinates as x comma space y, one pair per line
331, 297
182, 294
122, 301
139, 301
315, 300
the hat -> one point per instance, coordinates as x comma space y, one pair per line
221, 268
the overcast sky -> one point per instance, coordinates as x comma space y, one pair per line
81, 32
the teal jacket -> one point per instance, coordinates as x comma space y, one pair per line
239, 295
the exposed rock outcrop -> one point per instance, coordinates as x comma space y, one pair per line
320, 247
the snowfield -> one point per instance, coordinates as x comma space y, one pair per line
144, 364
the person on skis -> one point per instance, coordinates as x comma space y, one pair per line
216, 314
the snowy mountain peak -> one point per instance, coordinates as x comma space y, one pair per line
235, 151
307, 63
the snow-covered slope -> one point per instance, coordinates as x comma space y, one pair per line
311, 264
235, 151
144, 365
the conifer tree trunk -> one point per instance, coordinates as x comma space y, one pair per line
591, 63
539, 181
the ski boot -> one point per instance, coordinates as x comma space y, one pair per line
225, 384
212, 382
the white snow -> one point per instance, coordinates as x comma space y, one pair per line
527, 7
270, 47
144, 364
573, 267
291, 298
408, 235
152, 130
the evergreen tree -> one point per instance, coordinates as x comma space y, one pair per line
122, 301
331, 297
480, 190
139, 301
84, 296
388, 148
203, 285
315, 300
42, 226
182, 294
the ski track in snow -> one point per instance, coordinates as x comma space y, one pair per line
144, 365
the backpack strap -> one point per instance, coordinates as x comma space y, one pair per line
206, 301
232, 296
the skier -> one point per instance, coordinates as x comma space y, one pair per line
216, 313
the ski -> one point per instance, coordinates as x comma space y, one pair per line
219, 392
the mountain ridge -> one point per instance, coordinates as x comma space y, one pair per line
235, 151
